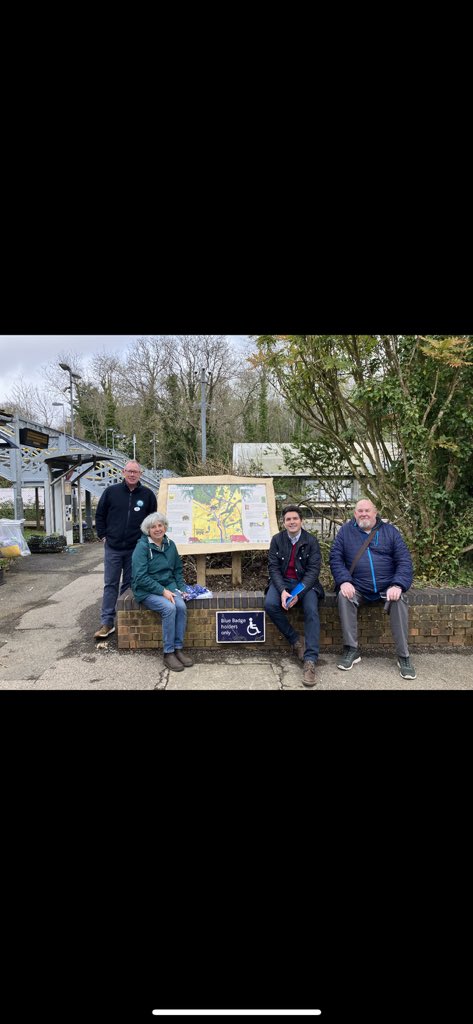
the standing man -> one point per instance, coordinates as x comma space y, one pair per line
380, 570
120, 513
294, 557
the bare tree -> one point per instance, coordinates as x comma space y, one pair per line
32, 403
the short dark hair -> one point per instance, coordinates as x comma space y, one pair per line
292, 508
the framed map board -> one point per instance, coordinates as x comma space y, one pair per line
211, 514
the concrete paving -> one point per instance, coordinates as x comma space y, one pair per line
50, 609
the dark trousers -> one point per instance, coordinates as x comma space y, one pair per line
115, 563
281, 618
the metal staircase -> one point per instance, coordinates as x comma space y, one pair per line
29, 463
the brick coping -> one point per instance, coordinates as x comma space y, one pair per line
255, 598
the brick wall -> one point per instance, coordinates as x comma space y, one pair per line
438, 617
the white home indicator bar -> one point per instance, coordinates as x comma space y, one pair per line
238, 1013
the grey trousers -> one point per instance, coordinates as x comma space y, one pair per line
398, 615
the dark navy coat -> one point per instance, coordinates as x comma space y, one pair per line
308, 559
385, 563
120, 513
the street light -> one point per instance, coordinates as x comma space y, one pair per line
64, 415
116, 435
76, 376
153, 439
72, 376
205, 379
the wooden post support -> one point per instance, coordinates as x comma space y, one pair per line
236, 568
200, 562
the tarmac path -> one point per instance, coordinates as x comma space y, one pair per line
50, 609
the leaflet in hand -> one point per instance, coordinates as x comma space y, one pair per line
297, 590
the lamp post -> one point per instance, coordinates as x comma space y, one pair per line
75, 376
72, 376
205, 378
153, 439
117, 435
64, 415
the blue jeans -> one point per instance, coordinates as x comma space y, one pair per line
174, 618
115, 562
281, 619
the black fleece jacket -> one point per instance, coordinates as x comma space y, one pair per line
120, 513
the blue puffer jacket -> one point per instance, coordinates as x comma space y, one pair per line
385, 563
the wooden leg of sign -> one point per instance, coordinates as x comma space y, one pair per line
236, 568
200, 562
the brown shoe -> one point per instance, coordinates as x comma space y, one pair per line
103, 632
173, 663
184, 658
299, 648
309, 674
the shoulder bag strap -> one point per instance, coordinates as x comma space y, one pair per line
363, 547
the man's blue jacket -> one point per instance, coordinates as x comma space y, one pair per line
385, 563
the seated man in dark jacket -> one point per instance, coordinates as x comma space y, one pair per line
383, 572
294, 557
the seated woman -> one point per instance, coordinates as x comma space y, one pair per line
156, 580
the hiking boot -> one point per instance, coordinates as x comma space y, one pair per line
407, 670
351, 656
308, 677
184, 658
103, 632
173, 663
299, 647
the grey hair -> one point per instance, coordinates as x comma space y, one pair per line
155, 517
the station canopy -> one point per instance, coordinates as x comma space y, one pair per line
74, 459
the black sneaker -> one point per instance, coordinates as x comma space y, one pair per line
407, 670
351, 656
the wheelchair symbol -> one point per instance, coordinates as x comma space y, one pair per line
252, 628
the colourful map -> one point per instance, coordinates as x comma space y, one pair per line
218, 513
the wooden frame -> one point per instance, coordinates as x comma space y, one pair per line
201, 549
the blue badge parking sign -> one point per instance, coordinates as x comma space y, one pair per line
240, 627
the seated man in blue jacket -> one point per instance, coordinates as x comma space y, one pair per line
294, 557
383, 572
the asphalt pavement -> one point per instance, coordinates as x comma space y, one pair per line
50, 609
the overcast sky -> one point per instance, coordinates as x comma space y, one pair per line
23, 355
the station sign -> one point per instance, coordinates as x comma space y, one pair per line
33, 438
